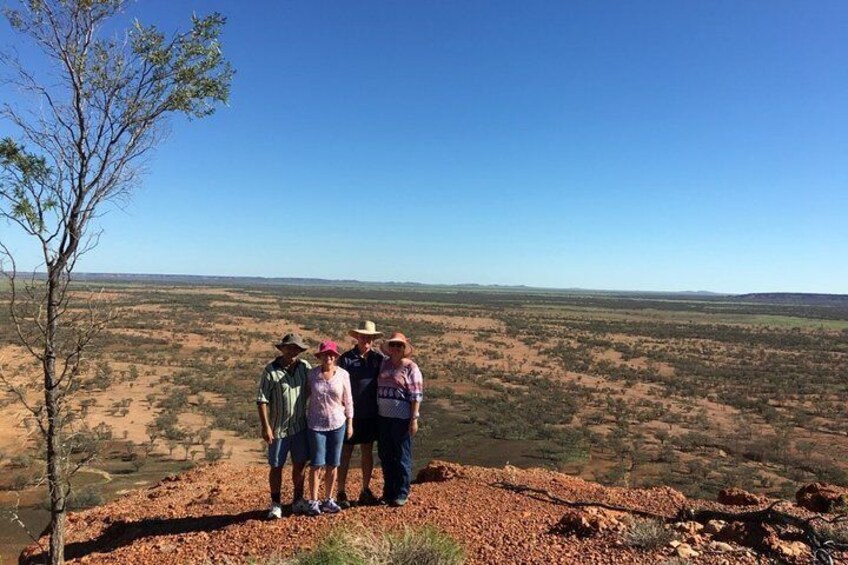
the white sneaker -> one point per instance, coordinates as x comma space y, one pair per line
276, 511
300, 506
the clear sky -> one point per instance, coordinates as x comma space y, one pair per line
644, 145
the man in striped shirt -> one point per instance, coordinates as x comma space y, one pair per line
283, 391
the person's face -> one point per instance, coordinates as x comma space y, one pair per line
396, 349
289, 352
364, 342
328, 358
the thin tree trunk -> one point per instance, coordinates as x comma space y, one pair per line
55, 480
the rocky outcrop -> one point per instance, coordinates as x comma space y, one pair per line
216, 514
739, 497
822, 497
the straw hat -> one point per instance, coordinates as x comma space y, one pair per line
397, 337
291, 339
366, 328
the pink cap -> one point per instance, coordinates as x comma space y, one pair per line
327, 346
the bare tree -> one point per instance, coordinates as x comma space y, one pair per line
78, 147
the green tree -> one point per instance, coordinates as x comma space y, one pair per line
101, 108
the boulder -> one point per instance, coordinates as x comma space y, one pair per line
587, 522
822, 497
438, 471
739, 497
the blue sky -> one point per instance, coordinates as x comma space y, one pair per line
642, 145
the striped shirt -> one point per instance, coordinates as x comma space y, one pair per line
285, 393
397, 388
330, 401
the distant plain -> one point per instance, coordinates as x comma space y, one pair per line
697, 392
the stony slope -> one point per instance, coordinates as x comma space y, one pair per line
216, 514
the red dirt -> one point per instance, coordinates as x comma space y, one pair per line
216, 514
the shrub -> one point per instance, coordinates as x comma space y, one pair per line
86, 498
427, 546
648, 534
358, 546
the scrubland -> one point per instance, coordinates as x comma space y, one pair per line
697, 393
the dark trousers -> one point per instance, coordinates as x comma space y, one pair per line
395, 450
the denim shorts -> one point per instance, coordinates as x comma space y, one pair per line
280, 448
326, 447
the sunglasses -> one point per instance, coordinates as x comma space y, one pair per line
396, 344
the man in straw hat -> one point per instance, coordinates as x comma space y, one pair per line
283, 391
362, 361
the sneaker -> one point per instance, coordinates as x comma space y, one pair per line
398, 502
313, 508
276, 511
342, 500
300, 506
367, 498
330, 507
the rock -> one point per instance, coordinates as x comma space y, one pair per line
822, 497
714, 527
739, 497
721, 547
689, 528
586, 523
685, 551
438, 471
791, 549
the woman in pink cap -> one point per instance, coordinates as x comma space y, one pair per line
329, 418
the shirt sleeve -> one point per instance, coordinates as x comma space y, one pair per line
416, 383
347, 395
264, 388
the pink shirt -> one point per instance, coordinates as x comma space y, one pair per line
330, 401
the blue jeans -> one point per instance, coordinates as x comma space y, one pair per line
326, 447
395, 450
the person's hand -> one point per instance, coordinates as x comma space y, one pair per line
413, 426
349, 431
268, 435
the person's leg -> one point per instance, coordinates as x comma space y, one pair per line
298, 478
344, 465
317, 446
335, 441
275, 482
366, 451
385, 448
300, 456
330, 473
404, 460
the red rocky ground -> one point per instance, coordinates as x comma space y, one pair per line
217, 514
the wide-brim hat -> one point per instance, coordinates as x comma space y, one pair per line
397, 337
291, 339
327, 346
366, 328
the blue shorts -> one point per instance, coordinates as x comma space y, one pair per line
326, 447
280, 448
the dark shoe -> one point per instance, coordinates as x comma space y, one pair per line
342, 501
398, 502
367, 498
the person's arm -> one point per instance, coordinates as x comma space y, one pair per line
267, 432
413, 422
347, 399
262, 399
416, 393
